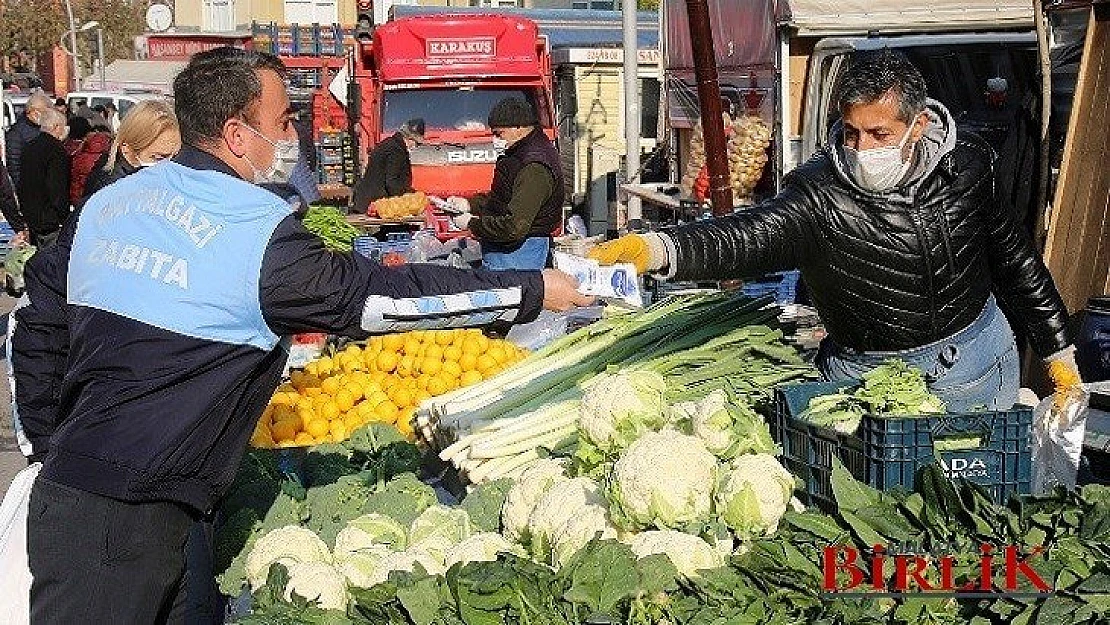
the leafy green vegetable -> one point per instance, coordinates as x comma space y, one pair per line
330, 224
891, 389
484, 503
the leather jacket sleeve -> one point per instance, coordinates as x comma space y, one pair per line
770, 237
1022, 279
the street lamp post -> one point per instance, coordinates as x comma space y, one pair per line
94, 25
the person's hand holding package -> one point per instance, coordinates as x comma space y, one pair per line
560, 292
648, 252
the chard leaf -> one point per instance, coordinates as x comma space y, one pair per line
864, 532
604, 578
421, 600
819, 525
850, 494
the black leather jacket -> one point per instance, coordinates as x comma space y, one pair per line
888, 271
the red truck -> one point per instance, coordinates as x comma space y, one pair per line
450, 70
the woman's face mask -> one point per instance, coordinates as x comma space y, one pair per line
878, 169
286, 155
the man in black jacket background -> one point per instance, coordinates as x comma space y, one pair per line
25, 128
43, 190
389, 170
901, 239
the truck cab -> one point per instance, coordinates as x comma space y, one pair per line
450, 70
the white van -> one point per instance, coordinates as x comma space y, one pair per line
123, 101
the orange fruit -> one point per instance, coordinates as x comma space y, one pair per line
353, 420
344, 400
393, 342
307, 414
431, 366
402, 397
317, 427
407, 365
386, 412
311, 368
469, 362
411, 346
470, 377
377, 399
437, 386
405, 427
433, 351
387, 361
486, 363
421, 395
329, 410
445, 337
330, 385
369, 389
284, 431
303, 438
364, 410
452, 368
452, 352
338, 429
498, 353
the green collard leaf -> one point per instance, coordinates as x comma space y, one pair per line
850, 494
604, 578
421, 600
657, 574
820, 525
863, 531
886, 520
1056, 610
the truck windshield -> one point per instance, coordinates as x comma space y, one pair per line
446, 109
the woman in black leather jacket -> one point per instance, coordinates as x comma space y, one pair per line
900, 238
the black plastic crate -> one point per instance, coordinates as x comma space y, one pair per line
887, 452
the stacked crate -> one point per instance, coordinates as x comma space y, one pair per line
329, 157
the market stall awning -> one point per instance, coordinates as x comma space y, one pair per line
821, 18
154, 76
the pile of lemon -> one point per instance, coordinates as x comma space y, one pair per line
382, 381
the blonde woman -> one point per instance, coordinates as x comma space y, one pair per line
148, 134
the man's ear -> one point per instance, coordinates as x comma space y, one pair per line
235, 137
921, 123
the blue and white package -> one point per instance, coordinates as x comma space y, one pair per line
612, 283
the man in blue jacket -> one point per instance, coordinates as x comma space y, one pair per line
152, 340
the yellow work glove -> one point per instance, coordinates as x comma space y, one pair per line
631, 248
1064, 374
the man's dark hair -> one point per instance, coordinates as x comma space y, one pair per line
218, 85
874, 74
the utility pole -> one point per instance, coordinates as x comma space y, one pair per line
631, 113
709, 99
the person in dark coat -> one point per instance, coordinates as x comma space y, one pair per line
86, 147
515, 221
389, 172
25, 129
44, 196
904, 246
9, 205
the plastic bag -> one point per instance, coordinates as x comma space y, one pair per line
15, 592
1058, 439
13, 268
534, 335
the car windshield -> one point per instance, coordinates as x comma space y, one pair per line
446, 109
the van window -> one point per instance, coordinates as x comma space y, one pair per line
957, 76
101, 102
75, 104
448, 109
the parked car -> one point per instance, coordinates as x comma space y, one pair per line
123, 101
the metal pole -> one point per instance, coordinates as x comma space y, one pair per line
100, 53
709, 99
73, 45
631, 112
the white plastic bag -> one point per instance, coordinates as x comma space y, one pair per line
1058, 440
15, 591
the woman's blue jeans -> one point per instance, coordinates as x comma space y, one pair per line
977, 368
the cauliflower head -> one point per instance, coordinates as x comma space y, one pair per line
286, 545
361, 568
687, 552
729, 427
591, 521
369, 530
481, 547
754, 494
618, 408
558, 506
664, 480
525, 492
317, 582
439, 528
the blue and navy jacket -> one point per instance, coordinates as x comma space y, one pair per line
152, 338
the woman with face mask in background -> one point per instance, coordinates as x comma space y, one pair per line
147, 135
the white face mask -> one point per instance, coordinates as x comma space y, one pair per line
878, 169
286, 155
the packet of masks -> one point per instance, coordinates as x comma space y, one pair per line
617, 284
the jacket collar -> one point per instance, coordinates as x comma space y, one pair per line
196, 158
